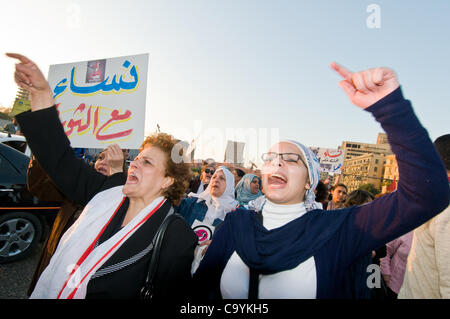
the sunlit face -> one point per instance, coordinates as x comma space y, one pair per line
254, 186
218, 184
101, 164
207, 174
339, 194
284, 182
147, 178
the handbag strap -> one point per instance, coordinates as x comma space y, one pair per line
147, 290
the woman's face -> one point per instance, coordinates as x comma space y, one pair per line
218, 184
254, 186
147, 178
285, 182
101, 165
339, 194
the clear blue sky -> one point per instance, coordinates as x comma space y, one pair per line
247, 64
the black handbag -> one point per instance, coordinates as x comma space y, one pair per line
147, 291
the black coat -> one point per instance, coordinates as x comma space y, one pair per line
80, 182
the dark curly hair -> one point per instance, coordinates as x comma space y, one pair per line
180, 172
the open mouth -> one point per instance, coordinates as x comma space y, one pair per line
132, 178
277, 179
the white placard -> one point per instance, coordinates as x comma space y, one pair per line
102, 102
204, 231
331, 160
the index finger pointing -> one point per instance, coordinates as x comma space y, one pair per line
346, 74
20, 57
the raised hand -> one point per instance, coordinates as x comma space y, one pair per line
366, 87
114, 158
30, 77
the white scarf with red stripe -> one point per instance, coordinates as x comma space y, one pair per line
67, 274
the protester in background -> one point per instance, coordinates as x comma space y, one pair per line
199, 185
12, 127
322, 193
248, 189
213, 203
109, 162
106, 252
103, 163
205, 211
288, 248
394, 264
427, 273
338, 195
358, 197
238, 174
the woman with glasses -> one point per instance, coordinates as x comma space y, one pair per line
285, 247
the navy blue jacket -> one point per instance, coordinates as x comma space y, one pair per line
337, 240
191, 210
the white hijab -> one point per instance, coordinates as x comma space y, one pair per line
56, 281
218, 207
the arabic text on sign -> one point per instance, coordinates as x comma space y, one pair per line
90, 119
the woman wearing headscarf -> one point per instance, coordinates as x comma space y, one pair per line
106, 253
205, 211
210, 207
284, 247
248, 189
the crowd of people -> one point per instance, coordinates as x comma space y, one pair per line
281, 234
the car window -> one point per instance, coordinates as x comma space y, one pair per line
18, 145
6, 169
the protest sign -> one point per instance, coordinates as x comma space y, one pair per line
331, 160
102, 102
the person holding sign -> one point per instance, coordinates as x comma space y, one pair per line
285, 247
106, 253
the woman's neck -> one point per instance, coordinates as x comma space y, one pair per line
276, 215
135, 206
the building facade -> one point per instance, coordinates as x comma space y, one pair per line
355, 149
364, 169
364, 162
390, 173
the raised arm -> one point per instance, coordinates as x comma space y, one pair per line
423, 189
49, 143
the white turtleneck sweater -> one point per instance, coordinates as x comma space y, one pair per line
297, 283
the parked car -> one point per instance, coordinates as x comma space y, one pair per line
23, 218
15, 141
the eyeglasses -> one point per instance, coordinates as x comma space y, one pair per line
287, 157
207, 171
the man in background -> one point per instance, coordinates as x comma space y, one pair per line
427, 273
198, 185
